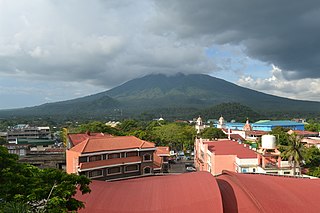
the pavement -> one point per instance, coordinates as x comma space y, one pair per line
179, 166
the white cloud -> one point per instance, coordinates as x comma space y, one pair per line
302, 89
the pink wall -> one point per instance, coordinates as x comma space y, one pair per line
222, 162
72, 161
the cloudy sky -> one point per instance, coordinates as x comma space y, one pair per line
53, 50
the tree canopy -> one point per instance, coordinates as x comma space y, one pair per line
45, 190
212, 133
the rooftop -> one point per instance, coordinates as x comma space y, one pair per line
98, 144
157, 194
276, 123
229, 192
228, 147
76, 138
163, 151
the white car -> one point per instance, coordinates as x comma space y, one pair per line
191, 169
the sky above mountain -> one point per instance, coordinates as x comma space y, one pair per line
58, 50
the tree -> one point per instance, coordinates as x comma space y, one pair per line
177, 136
294, 151
28, 185
282, 135
97, 126
313, 127
211, 133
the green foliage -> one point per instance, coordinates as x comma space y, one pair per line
294, 151
281, 135
176, 135
2, 141
313, 127
212, 133
311, 156
129, 125
314, 171
97, 126
15, 207
230, 111
48, 189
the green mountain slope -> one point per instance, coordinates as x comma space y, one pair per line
200, 91
177, 96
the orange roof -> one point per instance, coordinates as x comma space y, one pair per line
305, 133
97, 144
76, 138
229, 192
251, 193
257, 132
157, 194
228, 147
109, 162
163, 151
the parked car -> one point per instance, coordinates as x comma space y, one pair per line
190, 169
188, 165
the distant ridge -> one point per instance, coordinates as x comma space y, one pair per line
170, 94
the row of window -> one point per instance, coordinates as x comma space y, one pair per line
146, 157
118, 170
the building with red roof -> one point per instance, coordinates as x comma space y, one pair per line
161, 159
106, 157
223, 154
201, 192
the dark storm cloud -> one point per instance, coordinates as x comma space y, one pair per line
285, 33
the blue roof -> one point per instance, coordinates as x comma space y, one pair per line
277, 123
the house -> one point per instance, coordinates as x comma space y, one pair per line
223, 154
103, 157
216, 156
308, 138
23, 147
161, 159
25, 131
228, 192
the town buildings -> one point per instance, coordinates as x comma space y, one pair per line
215, 156
106, 157
25, 131
262, 125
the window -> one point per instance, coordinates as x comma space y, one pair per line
82, 159
132, 168
244, 170
94, 158
95, 173
287, 173
146, 170
254, 170
146, 157
114, 170
114, 155
130, 154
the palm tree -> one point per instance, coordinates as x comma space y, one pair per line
294, 151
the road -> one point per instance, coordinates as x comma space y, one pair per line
179, 167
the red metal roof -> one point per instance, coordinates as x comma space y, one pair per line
201, 192
163, 151
188, 193
111, 143
248, 193
228, 147
109, 162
